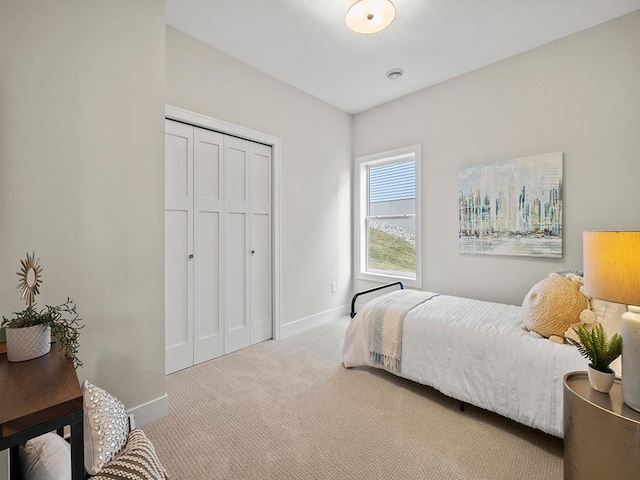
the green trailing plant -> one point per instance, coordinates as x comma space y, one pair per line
63, 321
594, 346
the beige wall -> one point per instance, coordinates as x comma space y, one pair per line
81, 176
579, 95
316, 164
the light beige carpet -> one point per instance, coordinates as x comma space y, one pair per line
290, 410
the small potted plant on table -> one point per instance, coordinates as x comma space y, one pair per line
594, 346
29, 332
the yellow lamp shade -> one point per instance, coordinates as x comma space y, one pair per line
612, 266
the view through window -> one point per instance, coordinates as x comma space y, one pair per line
388, 243
391, 223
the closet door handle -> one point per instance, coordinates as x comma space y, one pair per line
191, 255
253, 252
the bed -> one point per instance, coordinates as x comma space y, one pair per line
471, 350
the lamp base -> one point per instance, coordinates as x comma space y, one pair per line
631, 357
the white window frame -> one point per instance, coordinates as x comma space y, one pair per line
361, 205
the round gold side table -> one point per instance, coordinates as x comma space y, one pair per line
601, 434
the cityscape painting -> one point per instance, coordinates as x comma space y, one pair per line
512, 207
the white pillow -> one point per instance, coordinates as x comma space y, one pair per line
106, 426
47, 457
608, 314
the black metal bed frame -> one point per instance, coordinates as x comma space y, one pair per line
353, 300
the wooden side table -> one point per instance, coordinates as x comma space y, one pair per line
36, 397
601, 434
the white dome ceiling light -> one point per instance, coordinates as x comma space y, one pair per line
367, 17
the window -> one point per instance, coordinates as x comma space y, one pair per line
388, 216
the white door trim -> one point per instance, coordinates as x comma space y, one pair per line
198, 120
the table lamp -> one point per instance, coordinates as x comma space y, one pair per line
612, 272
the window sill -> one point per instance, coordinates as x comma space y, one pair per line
385, 278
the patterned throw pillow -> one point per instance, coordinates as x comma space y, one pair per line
106, 426
137, 461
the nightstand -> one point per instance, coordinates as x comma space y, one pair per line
38, 396
601, 434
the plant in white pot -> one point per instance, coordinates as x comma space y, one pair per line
601, 351
28, 333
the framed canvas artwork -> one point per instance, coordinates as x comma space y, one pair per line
512, 207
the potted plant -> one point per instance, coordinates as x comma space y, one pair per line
37, 327
594, 346
29, 332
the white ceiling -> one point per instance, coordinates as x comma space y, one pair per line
307, 44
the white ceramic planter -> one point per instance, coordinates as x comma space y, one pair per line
27, 343
601, 381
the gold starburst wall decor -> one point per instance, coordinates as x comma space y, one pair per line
30, 281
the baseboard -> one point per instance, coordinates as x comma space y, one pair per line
297, 326
149, 412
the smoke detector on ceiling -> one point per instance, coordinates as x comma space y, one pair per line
395, 73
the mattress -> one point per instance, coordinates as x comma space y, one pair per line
476, 352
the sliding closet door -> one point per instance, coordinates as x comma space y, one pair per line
208, 272
178, 246
236, 208
218, 295
260, 223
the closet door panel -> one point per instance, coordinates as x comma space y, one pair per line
178, 246
208, 314
208, 284
236, 170
208, 166
209, 341
177, 308
177, 155
261, 328
236, 207
237, 328
260, 290
260, 175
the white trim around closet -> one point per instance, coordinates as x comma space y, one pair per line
198, 120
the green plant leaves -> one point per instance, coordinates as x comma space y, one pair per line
63, 321
594, 346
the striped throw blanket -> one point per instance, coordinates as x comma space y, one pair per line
386, 319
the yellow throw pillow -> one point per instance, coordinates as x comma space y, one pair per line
553, 304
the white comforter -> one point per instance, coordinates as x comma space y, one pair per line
476, 352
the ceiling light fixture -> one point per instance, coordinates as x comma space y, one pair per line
367, 17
